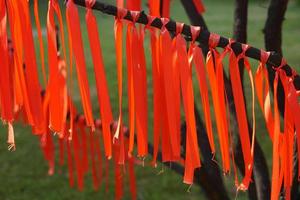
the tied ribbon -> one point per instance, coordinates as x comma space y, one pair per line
288, 134
276, 183
56, 88
171, 113
192, 158
76, 40
101, 82
21, 94
214, 70
118, 28
196, 57
157, 88
282, 170
263, 92
239, 102
137, 87
6, 101
31, 75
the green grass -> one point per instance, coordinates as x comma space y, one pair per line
23, 173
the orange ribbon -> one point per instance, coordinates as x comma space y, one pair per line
263, 92
76, 40
101, 83
196, 56
39, 33
215, 76
192, 158
239, 103
31, 75
170, 79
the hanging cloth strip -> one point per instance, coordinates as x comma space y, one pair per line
137, 87
39, 33
196, 57
284, 150
276, 180
31, 75
241, 115
101, 83
76, 40
140, 92
192, 157
263, 92
295, 107
288, 135
21, 94
157, 87
154, 8
56, 88
6, 100
118, 28
171, 130
166, 8
214, 70
133, 5
131, 32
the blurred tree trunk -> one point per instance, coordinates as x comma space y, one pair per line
273, 42
260, 188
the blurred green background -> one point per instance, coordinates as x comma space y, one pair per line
23, 173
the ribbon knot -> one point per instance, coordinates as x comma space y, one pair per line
89, 3
135, 15
150, 19
121, 13
195, 31
164, 22
245, 47
264, 56
179, 27
213, 40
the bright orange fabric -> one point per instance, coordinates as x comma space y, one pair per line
196, 57
192, 158
214, 70
76, 40
39, 32
101, 83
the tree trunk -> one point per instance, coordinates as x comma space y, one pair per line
260, 188
273, 42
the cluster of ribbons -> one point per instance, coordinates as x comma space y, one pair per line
52, 112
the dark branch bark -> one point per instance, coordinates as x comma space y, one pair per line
240, 24
273, 39
252, 52
240, 21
